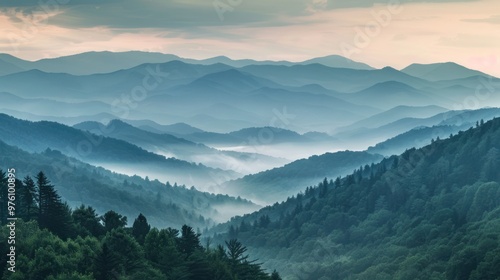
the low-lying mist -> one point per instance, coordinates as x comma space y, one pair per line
295, 151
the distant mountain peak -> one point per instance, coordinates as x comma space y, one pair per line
392, 85
441, 71
337, 61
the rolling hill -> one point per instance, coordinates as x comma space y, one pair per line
179, 148
423, 135
392, 115
429, 213
114, 154
80, 183
391, 94
106, 62
441, 71
279, 183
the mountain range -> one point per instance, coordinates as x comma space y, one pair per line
106, 62
326, 168
429, 212
174, 147
105, 151
165, 204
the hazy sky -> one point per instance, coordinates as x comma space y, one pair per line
379, 33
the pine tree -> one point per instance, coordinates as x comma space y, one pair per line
128, 252
113, 220
140, 228
323, 188
235, 251
88, 221
106, 264
189, 241
29, 197
52, 213
3, 197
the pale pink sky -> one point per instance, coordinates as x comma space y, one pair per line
464, 32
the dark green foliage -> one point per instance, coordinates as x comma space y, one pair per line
52, 213
106, 264
77, 182
28, 197
87, 221
165, 254
3, 196
113, 220
126, 250
235, 251
140, 228
430, 213
74, 245
189, 241
278, 183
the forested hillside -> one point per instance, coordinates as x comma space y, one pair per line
104, 151
165, 203
53, 241
279, 183
430, 213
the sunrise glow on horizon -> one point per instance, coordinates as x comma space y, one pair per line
379, 33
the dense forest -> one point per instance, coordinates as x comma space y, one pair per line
166, 204
429, 213
53, 241
281, 182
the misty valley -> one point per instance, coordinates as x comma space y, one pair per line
143, 165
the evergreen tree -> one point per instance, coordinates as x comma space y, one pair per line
113, 220
87, 221
140, 228
106, 264
128, 252
189, 241
52, 213
161, 250
338, 182
235, 252
3, 196
323, 188
29, 198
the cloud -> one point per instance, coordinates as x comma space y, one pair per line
183, 14
492, 19
424, 31
469, 40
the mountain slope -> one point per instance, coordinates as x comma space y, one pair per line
105, 62
278, 183
172, 146
430, 213
259, 108
338, 79
391, 94
108, 86
92, 62
441, 71
423, 135
279, 135
8, 67
454, 120
177, 129
337, 61
80, 183
394, 114
44, 107
115, 154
